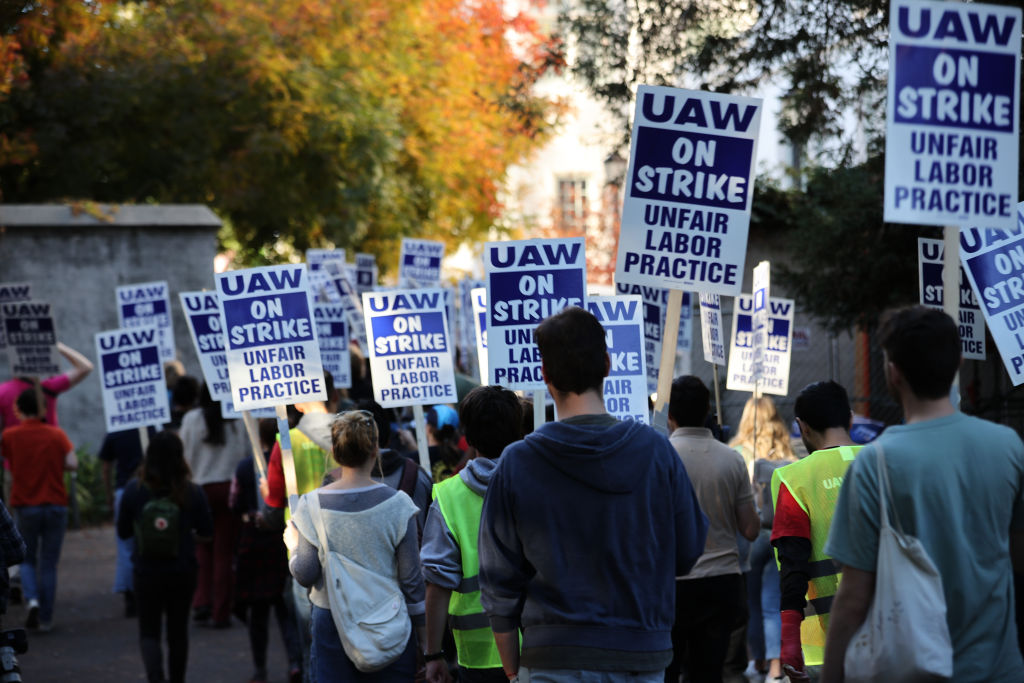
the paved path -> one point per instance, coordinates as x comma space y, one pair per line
92, 641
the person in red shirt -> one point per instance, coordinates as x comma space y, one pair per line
38, 454
51, 387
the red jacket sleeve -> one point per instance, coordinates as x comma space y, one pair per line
276, 496
790, 518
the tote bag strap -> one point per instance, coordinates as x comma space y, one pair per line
885, 498
318, 521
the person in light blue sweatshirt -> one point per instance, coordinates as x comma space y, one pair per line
585, 525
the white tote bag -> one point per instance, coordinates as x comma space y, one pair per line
905, 636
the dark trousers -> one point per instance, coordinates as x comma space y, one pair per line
495, 675
214, 587
706, 611
158, 596
259, 631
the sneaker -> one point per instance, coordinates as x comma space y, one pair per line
32, 620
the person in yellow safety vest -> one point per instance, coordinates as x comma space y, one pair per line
804, 495
491, 417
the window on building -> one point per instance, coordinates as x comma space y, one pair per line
572, 204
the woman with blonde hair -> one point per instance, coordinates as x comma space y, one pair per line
763, 440
370, 524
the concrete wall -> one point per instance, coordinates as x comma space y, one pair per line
74, 259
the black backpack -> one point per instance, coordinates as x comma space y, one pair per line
157, 534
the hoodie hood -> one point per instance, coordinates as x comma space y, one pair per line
610, 458
317, 428
477, 474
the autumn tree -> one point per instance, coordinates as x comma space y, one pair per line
303, 121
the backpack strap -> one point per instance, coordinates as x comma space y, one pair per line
409, 475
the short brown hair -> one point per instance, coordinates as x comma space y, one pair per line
353, 438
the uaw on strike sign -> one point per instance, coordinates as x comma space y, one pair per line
688, 190
994, 261
410, 350
132, 377
930, 260
271, 343
953, 114
528, 281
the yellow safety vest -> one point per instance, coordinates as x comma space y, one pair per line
814, 483
461, 507
310, 464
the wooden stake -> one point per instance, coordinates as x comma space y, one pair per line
144, 439
718, 397
291, 485
951, 288
669, 336
421, 438
540, 412
254, 440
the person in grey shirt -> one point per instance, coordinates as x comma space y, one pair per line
369, 523
710, 598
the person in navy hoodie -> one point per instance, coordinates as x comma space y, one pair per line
585, 525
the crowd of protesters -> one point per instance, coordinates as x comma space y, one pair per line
587, 549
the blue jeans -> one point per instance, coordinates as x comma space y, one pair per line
42, 527
329, 662
297, 597
123, 580
764, 630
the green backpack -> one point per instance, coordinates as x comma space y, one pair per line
156, 529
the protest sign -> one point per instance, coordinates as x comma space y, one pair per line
420, 263
655, 300
410, 351
711, 328
777, 347
270, 339
148, 305
762, 279
994, 263
228, 412
31, 339
322, 287
528, 281
479, 309
202, 315
625, 387
952, 115
332, 333
132, 378
11, 292
366, 273
465, 328
929, 268
349, 298
315, 258
688, 190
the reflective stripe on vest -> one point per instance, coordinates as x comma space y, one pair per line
461, 509
814, 483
